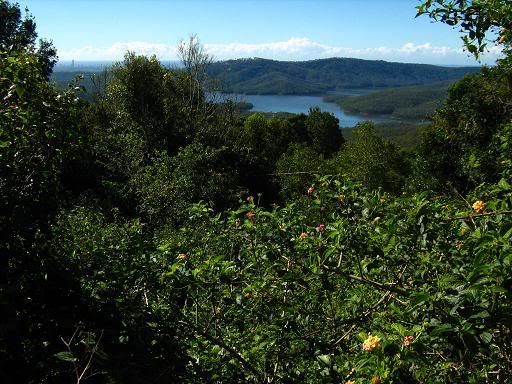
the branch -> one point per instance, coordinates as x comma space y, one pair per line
376, 284
382, 286
495, 213
93, 352
68, 346
222, 344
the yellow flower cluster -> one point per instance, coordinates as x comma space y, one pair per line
479, 206
371, 343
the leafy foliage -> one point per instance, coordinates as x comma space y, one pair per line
20, 33
38, 145
152, 235
405, 135
374, 161
290, 294
475, 19
459, 146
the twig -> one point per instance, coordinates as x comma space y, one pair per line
382, 286
495, 213
345, 335
376, 284
68, 346
291, 173
222, 344
93, 352
80, 376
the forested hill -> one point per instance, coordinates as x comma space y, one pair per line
262, 76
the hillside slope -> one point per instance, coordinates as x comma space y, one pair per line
405, 103
262, 76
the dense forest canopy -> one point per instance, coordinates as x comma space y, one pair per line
263, 76
153, 235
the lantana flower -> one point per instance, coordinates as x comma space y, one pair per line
371, 343
408, 340
479, 206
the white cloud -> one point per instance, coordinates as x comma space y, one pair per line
117, 50
295, 48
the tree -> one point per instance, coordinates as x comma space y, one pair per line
323, 131
197, 91
17, 33
458, 149
38, 138
475, 18
296, 169
374, 161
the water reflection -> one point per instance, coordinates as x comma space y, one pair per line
302, 104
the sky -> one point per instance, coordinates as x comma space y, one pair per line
85, 30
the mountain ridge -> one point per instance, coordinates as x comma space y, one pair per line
320, 76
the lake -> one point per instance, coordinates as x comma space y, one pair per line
301, 104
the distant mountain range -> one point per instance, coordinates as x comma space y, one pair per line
263, 76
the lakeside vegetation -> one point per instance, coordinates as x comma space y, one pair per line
405, 104
151, 235
416, 103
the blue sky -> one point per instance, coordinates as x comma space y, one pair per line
276, 29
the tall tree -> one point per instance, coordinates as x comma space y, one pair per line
323, 131
18, 31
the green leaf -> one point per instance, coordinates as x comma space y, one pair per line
503, 184
486, 337
20, 91
439, 330
481, 315
399, 328
418, 298
65, 356
326, 359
